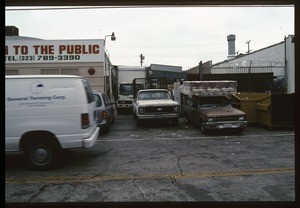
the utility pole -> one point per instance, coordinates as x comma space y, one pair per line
142, 59
248, 43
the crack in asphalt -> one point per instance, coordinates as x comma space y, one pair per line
178, 158
178, 164
99, 174
144, 195
68, 196
173, 179
43, 188
138, 188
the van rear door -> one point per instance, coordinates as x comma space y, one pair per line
90, 119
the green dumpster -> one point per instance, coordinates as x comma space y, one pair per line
246, 102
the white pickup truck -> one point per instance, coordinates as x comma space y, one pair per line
155, 104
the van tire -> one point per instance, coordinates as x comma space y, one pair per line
41, 155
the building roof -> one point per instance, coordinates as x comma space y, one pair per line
243, 55
167, 68
21, 38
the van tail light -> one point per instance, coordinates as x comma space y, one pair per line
85, 122
104, 115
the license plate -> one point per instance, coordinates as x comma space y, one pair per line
227, 125
160, 117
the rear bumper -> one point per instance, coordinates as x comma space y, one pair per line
90, 141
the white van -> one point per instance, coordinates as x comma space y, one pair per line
47, 113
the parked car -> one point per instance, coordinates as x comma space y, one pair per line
104, 111
155, 104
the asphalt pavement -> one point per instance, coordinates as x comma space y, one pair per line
158, 162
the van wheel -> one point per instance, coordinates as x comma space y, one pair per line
41, 155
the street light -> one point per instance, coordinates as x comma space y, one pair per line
112, 38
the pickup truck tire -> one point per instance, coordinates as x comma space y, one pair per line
240, 130
41, 154
138, 122
175, 121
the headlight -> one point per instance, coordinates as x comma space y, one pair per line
242, 118
210, 119
176, 108
141, 110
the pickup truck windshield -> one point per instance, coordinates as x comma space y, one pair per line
210, 102
154, 95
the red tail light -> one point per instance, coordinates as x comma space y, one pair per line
85, 122
104, 115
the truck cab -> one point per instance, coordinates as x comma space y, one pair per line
125, 77
125, 95
155, 104
207, 104
213, 112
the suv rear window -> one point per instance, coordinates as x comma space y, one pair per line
88, 91
98, 100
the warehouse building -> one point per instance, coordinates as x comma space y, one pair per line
166, 71
269, 69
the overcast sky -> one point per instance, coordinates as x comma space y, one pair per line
180, 36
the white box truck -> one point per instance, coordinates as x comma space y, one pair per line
47, 113
125, 77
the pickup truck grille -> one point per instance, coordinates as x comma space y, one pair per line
163, 109
226, 118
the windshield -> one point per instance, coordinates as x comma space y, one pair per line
139, 87
218, 101
154, 95
125, 89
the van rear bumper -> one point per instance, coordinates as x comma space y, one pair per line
89, 142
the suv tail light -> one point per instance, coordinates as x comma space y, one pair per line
85, 122
104, 115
